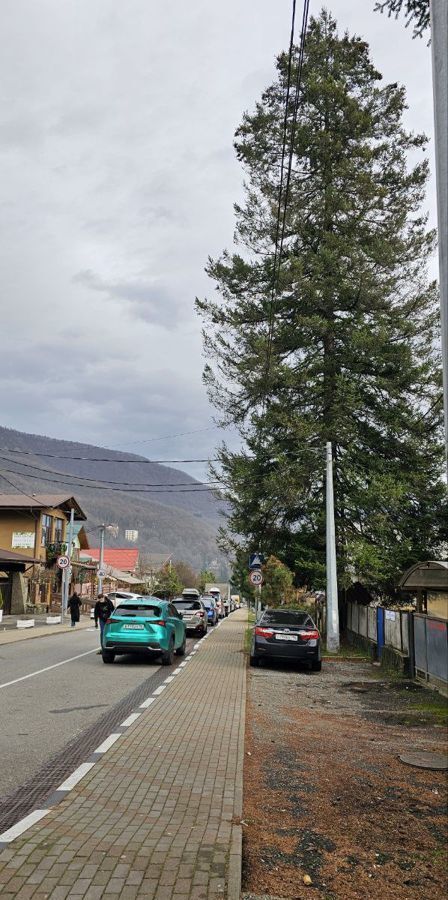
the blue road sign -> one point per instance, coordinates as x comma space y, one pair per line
256, 560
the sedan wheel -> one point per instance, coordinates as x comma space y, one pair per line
254, 660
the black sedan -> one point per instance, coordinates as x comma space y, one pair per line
286, 634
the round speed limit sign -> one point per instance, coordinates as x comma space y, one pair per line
63, 562
256, 577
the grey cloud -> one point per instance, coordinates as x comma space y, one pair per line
129, 180
149, 301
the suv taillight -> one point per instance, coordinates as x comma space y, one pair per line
160, 622
264, 632
309, 635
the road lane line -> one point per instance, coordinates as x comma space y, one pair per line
23, 825
76, 776
147, 703
130, 720
169, 679
108, 743
159, 690
47, 668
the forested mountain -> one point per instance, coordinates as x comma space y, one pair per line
171, 511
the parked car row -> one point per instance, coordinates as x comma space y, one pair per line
144, 624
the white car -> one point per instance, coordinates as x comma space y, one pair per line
115, 596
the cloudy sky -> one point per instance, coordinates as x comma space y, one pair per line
118, 179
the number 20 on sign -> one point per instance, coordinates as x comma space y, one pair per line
256, 578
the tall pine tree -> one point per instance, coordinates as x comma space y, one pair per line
352, 355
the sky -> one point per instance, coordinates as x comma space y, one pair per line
118, 179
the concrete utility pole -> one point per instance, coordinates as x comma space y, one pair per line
439, 48
332, 582
67, 572
101, 563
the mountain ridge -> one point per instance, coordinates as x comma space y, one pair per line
182, 522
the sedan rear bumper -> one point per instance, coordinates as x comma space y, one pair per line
286, 650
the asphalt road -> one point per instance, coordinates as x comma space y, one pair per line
43, 708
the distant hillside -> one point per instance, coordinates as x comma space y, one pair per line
183, 523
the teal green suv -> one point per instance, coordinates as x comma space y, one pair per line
144, 625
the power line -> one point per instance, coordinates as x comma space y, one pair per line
200, 490
279, 249
102, 458
104, 480
166, 437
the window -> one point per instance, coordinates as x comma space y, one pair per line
46, 530
139, 610
58, 530
286, 617
182, 605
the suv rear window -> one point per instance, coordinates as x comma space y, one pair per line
138, 609
286, 617
187, 604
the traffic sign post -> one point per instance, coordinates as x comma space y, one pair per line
63, 562
256, 560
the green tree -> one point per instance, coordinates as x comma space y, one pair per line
415, 11
168, 584
351, 358
277, 583
205, 577
185, 573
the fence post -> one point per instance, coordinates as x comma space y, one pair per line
411, 644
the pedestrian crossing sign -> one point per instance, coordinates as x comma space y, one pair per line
256, 560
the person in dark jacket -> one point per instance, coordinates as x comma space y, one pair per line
74, 605
103, 608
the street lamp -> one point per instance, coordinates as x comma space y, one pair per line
112, 529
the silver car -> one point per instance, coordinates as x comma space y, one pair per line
194, 614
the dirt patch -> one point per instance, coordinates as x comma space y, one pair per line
326, 795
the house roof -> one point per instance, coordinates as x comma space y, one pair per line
123, 558
8, 556
156, 561
42, 501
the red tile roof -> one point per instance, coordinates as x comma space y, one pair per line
121, 558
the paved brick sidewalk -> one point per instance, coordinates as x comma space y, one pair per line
11, 635
158, 816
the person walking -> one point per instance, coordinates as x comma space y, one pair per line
103, 608
74, 605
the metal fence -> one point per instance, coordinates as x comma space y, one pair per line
384, 627
421, 638
431, 649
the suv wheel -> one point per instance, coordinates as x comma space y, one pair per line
168, 655
108, 656
181, 650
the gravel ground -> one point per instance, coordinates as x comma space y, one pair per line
326, 795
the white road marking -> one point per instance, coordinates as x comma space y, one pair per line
23, 825
107, 743
177, 671
147, 703
48, 668
169, 679
182, 665
76, 776
130, 720
159, 690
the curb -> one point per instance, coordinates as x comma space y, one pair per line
13, 636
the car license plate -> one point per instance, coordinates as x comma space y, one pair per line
286, 637
133, 627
